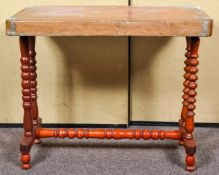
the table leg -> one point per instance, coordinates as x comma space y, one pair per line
186, 88
188, 139
27, 119
33, 82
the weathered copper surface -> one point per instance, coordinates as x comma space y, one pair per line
110, 21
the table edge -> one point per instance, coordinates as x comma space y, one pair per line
11, 29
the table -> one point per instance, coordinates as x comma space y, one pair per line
189, 22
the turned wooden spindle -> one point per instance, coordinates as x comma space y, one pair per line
108, 133
33, 82
186, 88
189, 126
27, 119
189, 141
33, 77
25, 75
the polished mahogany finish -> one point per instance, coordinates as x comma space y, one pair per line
108, 21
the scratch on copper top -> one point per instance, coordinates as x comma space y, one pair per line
12, 28
205, 28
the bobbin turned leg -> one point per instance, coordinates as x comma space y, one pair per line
26, 141
186, 88
188, 139
33, 84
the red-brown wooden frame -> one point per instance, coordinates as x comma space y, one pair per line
32, 123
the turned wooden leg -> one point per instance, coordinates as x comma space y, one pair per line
25, 158
186, 88
188, 139
27, 119
33, 83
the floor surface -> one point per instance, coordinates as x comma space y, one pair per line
109, 157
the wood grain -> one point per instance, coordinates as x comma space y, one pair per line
109, 21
